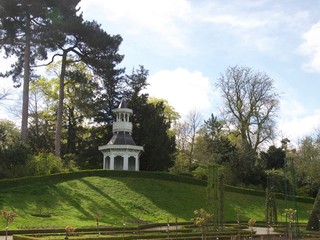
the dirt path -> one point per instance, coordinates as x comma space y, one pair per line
263, 230
4, 237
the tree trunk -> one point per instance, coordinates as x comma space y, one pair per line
57, 142
26, 81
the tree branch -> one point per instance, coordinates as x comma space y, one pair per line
52, 59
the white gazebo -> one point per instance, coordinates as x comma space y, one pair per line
121, 152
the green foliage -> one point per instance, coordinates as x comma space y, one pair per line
14, 160
45, 164
307, 165
213, 146
276, 179
28, 35
273, 158
170, 113
245, 168
150, 125
181, 164
9, 134
201, 172
80, 136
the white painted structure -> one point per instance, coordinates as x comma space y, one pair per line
121, 152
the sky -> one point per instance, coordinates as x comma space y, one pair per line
187, 44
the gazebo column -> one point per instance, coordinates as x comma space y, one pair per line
125, 161
104, 160
112, 162
137, 162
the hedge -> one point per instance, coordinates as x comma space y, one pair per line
61, 177
147, 235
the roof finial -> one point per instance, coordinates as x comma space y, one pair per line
123, 103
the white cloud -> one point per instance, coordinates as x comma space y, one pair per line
311, 47
235, 21
144, 17
297, 128
292, 109
296, 121
184, 90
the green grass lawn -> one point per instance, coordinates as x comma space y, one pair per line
121, 199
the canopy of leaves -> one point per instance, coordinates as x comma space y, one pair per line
26, 22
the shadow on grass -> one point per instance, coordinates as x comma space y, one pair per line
25, 198
118, 209
71, 201
177, 199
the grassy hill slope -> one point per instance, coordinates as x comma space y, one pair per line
74, 199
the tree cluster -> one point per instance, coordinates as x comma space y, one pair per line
68, 111
241, 139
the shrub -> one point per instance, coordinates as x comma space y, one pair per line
14, 159
44, 164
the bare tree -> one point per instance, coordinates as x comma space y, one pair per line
5, 93
194, 121
186, 133
181, 131
250, 104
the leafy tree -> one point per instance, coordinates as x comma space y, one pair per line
213, 146
213, 127
9, 216
9, 134
151, 132
219, 147
201, 219
14, 154
273, 158
250, 104
150, 125
307, 164
81, 137
202, 151
43, 107
170, 113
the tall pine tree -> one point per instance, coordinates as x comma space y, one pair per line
24, 26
